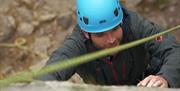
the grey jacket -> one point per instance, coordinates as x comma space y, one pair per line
160, 56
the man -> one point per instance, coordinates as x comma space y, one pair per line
105, 24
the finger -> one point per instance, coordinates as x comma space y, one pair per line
139, 84
157, 84
164, 86
145, 81
151, 82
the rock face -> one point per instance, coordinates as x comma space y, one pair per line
132, 3
44, 25
25, 29
67, 86
6, 29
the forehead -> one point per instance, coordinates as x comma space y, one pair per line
115, 28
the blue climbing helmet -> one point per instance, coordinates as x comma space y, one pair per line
94, 16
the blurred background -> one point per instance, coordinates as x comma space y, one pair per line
31, 29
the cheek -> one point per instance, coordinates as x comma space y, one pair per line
98, 41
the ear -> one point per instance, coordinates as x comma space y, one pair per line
86, 34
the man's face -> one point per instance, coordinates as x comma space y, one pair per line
108, 39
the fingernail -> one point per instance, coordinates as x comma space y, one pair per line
143, 84
138, 84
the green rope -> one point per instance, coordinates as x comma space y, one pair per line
28, 76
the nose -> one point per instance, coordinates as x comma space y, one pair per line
110, 39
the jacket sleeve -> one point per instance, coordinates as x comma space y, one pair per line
72, 47
165, 48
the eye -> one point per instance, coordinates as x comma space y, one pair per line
115, 28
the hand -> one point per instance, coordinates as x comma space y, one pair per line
153, 81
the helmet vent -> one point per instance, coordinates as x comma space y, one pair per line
86, 21
81, 19
102, 21
78, 13
116, 12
